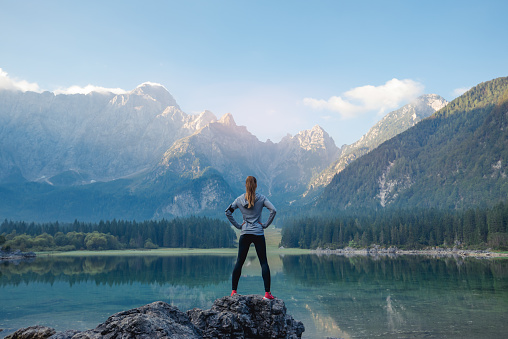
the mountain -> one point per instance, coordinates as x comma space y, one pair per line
137, 155
231, 152
392, 124
454, 159
301, 158
100, 136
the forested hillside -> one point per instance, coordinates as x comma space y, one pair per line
455, 159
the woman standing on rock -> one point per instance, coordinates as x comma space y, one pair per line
251, 204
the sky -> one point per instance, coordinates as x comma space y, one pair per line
278, 67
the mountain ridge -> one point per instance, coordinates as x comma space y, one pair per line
453, 159
389, 126
196, 164
103, 135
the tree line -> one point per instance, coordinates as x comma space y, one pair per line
192, 232
404, 228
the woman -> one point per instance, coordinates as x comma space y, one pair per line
251, 204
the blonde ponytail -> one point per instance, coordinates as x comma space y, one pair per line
250, 190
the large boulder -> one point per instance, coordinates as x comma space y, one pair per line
155, 320
247, 316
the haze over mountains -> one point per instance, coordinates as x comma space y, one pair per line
139, 156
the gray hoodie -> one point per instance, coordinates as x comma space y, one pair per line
251, 216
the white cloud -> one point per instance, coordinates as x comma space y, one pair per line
459, 91
8, 83
89, 88
363, 99
16, 85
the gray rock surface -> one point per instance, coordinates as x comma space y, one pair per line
247, 316
155, 320
33, 332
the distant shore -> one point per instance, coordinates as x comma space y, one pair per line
284, 251
171, 252
393, 251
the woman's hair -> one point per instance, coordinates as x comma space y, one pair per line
250, 190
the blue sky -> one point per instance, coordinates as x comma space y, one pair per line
278, 66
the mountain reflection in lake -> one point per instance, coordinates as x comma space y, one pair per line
336, 296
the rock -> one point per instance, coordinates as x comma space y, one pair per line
64, 335
248, 316
155, 320
32, 332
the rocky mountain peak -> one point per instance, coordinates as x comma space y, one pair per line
318, 129
432, 101
206, 117
201, 120
315, 138
155, 92
227, 120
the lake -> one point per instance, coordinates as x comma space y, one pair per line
334, 296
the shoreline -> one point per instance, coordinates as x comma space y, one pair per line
393, 251
284, 251
172, 252
16, 255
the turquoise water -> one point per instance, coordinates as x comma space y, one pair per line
334, 296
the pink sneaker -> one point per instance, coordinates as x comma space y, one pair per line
233, 293
268, 296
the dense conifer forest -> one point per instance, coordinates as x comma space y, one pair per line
405, 228
192, 232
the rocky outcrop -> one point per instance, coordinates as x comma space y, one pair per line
33, 332
247, 316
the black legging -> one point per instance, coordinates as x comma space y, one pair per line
243, 249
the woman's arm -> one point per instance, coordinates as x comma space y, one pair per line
272, 210
229, 213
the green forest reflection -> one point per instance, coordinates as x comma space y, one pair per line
175, 270
406, 270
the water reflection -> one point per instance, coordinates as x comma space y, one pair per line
176, 270
335, 296
405, 270
404, 296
